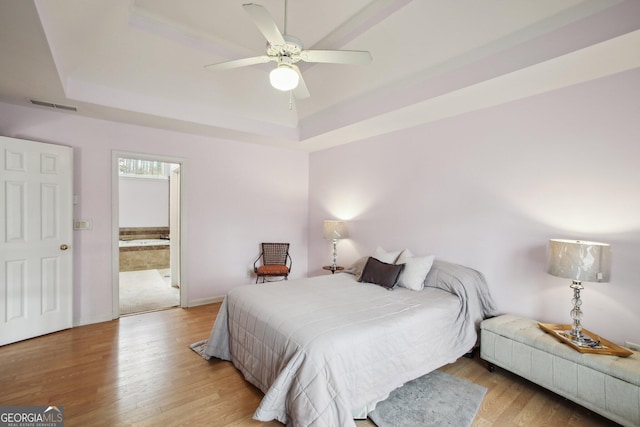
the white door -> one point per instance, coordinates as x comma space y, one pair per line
36, 287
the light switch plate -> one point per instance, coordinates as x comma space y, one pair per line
82, 224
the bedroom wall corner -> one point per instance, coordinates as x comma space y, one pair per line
488, 189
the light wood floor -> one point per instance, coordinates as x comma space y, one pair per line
139, 370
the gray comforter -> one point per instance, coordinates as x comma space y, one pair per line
325, 350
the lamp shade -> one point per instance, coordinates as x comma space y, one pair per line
284, 77
578, 260
334, 230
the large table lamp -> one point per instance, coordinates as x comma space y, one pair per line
579, 261
334, 231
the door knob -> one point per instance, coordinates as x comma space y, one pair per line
64, 247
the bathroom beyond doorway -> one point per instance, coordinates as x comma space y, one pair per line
148, 234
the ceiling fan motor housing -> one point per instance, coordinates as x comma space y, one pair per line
291, 50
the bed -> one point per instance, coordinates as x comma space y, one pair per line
324, 350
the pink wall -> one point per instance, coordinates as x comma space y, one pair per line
489, 189
237, 195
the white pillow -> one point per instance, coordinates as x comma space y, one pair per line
384, 256
415, 270
357, 267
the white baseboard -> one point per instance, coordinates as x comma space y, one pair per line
83, 322
203, 301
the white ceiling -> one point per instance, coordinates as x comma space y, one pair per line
141, 61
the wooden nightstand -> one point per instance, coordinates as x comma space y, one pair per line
333, 269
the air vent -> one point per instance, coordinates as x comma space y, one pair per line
66, 107
52, 105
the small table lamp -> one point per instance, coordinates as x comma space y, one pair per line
579, 261
334, 230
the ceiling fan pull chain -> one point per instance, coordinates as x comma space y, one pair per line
290, 100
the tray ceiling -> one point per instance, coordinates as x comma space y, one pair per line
141, 61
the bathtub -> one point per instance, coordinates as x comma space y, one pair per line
144, 254
144, 242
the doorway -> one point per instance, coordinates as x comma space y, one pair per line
147, 237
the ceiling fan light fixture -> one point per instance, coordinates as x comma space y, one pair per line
284, 77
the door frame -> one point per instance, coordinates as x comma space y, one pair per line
115, 222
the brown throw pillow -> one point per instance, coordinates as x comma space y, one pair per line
381, 273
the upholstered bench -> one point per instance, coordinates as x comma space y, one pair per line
608, 385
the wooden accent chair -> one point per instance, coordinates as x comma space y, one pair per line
276, 261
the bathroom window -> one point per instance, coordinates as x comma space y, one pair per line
143, 168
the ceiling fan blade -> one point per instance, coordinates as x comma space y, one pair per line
237, 63
301, 91
265, 23
336, 56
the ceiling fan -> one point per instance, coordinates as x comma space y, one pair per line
286, 51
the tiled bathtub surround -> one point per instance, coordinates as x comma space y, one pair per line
136, 233
134, 258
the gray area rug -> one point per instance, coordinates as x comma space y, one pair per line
199, 347
434, 400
